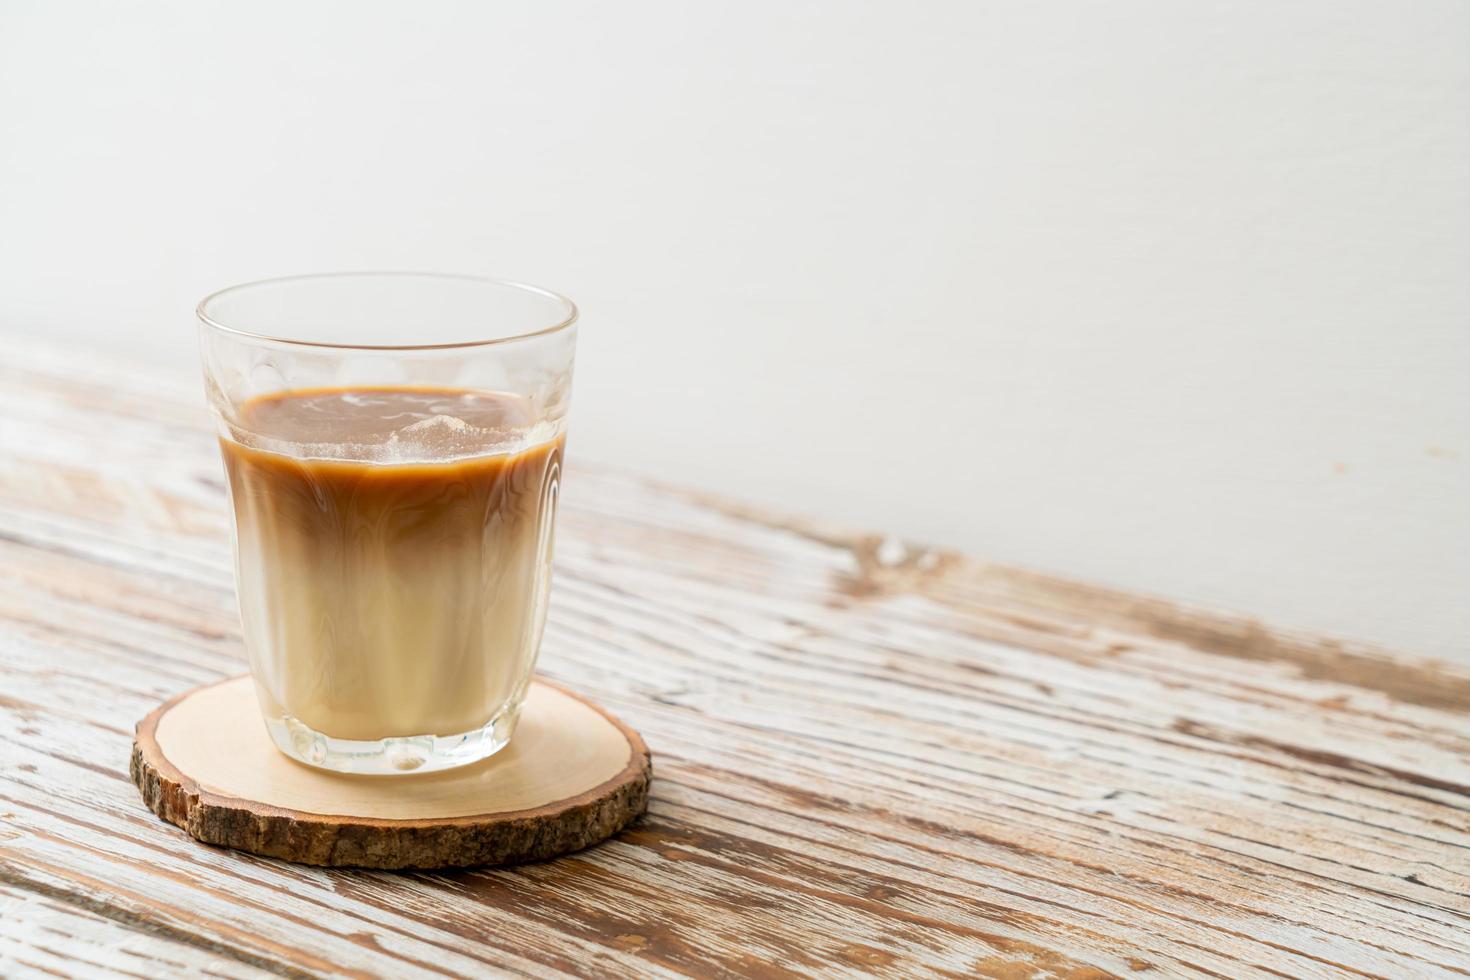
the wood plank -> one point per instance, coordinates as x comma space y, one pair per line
875, 758
53, 933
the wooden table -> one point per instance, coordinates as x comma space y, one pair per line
870, 758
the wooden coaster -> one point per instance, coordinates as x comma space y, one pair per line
572, 775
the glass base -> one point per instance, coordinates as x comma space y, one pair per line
399, 756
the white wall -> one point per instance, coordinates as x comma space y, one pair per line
1172, 296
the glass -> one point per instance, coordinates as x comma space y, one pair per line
393, 446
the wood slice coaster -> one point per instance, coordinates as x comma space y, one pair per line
572, 775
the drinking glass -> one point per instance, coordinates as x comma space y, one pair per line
393, 445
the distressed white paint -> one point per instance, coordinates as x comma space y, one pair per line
1168, 296
43, 936
860, 752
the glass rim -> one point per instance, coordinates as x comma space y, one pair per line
569, 308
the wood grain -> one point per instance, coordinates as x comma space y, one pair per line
875, 758
573, 776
